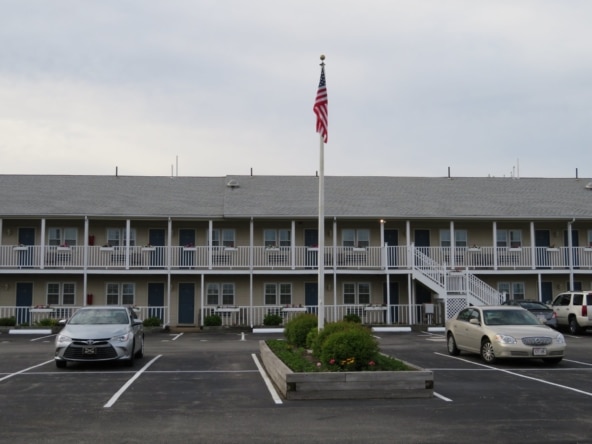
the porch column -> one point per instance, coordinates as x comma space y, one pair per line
201, 303
251, 256
533, 243
128, 230
1, 232
169, 255
383, 247
452, 245
293, 244
494, 228
42, 248
210, 242
570, 254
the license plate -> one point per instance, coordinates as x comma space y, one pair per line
539, 351
89, 350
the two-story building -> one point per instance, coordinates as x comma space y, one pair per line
398, 250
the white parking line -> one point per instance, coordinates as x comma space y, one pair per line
443, 398
268, 383
517, 374
177, 336
125, 386
578, 362
42, 337
25, 370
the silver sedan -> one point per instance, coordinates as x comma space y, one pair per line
503, 332
100, 334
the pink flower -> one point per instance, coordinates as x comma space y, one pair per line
372, 363
318, 364
332, 361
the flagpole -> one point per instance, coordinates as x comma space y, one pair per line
321, 254
321, 110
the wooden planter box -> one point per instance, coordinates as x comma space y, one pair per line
417, 383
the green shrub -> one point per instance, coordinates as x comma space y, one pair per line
352, 317
331, 328
350, 350
311, 337
47, 322
272, 320
8, 322
153, 321
213, 321
297, 329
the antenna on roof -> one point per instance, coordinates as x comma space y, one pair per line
116, 173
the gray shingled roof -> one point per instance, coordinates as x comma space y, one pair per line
295, 197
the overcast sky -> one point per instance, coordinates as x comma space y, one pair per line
225, 86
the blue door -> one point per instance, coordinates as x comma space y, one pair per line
26, 238
156, 240
311, 240
391, 238
187, 239
24, 300
186, 303
156, 300
311, 296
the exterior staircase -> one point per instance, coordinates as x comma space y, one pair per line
458, 288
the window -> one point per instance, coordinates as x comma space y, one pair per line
61, 293
355, 237
509, 238
460, 238
220, 294
513, 290
356, 293
590, 238
61, 236
223, 237
502, 238
278, 294
277, 238
116, 237
120, 293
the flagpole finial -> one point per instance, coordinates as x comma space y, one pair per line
322, 57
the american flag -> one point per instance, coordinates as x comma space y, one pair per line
320, 107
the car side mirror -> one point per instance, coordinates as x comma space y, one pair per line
137, 322
62, 322
474, 321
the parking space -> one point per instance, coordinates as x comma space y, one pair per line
206, 387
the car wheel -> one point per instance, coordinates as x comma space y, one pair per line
487, 353
452, 348
61, 364
573, 326
140, 353
552, 361
130, 362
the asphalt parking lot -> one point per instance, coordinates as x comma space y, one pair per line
206, 387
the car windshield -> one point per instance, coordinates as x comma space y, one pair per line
531, 305
509, 317
94, 317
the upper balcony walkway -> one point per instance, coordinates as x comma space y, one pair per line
287, 258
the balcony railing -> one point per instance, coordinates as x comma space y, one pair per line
254, 315
288, 258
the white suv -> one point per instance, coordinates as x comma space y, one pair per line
574, 310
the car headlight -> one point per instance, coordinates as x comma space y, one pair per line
560, 339
63, 340
505, 339
121, 338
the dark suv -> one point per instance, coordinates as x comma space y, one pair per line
574, 310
